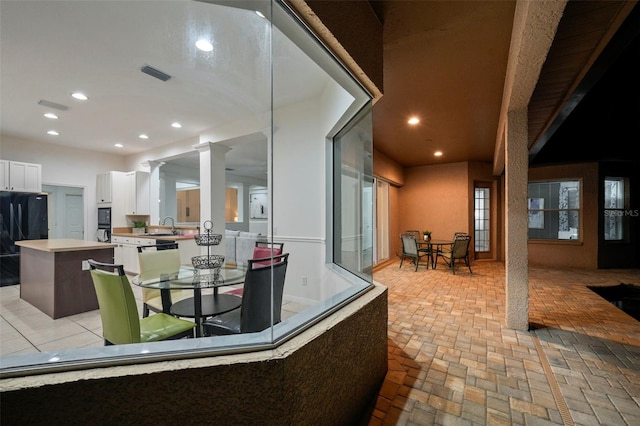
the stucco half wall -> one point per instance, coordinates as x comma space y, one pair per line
329, 374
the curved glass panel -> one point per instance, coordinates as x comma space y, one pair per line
267, 116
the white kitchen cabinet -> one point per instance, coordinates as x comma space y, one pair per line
126, 252
18, 176
4, 175
106, 183
137, 193
103, 188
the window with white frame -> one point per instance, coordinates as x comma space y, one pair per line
616, 205
554, 210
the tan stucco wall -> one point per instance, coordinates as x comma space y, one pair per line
439, 198
386, 168
436, 198
582, 253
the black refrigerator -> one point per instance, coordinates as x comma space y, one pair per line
23, 216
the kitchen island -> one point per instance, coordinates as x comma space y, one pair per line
55, 277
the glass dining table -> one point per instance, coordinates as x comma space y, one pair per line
188, 277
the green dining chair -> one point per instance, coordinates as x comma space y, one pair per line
121, 323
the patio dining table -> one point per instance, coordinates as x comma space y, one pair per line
438, 244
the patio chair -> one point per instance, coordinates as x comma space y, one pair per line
459, 250
410, 249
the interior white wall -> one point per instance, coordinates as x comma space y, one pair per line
63, 166
300, 190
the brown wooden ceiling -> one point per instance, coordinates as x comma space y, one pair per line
589, 44
446, 61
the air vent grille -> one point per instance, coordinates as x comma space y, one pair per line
155, 73
53, 105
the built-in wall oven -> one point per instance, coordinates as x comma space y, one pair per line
104, 224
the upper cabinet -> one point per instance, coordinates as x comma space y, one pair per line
136, 193
20, 177
104, 187
106, 184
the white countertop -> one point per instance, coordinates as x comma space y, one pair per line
56, 245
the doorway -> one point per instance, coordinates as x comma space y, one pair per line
66, 211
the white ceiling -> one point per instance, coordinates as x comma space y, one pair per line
49, 49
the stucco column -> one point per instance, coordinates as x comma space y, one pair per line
212, 188
517, 218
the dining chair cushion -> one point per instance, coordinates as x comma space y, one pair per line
225, 324
162, 326
263, 252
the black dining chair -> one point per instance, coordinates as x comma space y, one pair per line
410, 249
261, 300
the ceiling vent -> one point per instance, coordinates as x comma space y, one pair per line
53, 105
155, 73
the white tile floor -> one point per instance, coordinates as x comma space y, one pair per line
26, 329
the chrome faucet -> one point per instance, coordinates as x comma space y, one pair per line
173, 226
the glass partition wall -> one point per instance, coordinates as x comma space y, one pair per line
266, 81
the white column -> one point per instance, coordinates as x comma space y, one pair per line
212, 188
154, 191
516, 223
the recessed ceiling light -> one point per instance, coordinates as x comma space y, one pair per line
79, 96
118, 145
51, 115
204, 45
438, 153
260, 14
143, 136
53, 133
413, 120
176, 125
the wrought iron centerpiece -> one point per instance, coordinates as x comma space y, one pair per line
209, 261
